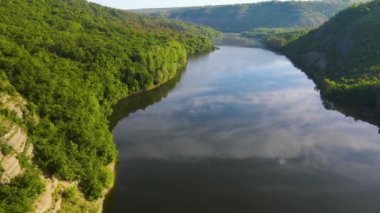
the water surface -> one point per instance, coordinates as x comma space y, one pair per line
242, 130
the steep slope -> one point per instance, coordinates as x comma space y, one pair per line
71, 61
343, 56
274, 14
12, 134
20, 181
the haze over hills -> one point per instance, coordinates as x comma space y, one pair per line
242, 17
68, 62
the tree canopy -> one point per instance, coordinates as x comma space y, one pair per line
342, 56
72, 60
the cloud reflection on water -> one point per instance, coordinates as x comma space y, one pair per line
240, 111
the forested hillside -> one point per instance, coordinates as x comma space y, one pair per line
274, 38
72, 60
343, 56
274, 14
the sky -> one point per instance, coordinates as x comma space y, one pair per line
138, 4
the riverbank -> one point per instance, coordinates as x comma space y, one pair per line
355, 103
234, 39
233, 130
126, 106
354, 100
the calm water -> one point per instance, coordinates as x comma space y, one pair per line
242, 130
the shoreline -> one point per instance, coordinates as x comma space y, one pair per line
113, 165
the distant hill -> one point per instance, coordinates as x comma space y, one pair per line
243, 17
343, 56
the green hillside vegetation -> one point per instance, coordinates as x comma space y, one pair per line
143, 100
72, 61
244, 17
275, 38
342, 56
19, 194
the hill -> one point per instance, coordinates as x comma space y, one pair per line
243, 17
274, 38
70, 61
342, 56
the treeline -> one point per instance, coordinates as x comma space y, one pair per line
244, 17
342, 56
275, 38
72, 61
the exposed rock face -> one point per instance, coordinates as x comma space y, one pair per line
11, 168
15, 138
47, 202
14, 142
13, 103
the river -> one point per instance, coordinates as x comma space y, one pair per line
241, 130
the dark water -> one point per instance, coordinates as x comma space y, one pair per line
242, 131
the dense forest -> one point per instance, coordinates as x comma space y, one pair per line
274, 38
342, 56
72, 60
142, 100
243, 17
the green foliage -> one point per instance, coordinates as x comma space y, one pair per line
274, 38
73, 60
3, 130
24, 161
1, 171
11, 115
364, 92
273, 14
18, 196
342, 56
5, 86
69, 193
93, 184
5, 149
72, 201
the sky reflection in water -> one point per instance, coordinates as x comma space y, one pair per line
258, 105
250, 104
